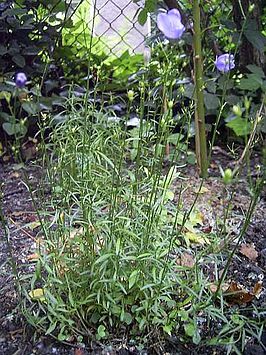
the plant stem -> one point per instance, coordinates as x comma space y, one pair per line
201, 144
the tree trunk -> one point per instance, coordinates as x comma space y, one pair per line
248, 53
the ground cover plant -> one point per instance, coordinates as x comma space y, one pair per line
133, 247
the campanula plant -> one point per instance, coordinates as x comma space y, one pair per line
20, 80
225, 62
170, 24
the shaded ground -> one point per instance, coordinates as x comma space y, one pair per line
16, 337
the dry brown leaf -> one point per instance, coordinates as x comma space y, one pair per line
249, 251
15, 175
186, 260
257, 288
6, 158
236, 294
33, 257
79, 351
17, 213
214, 287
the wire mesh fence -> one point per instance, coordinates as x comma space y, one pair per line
113, 24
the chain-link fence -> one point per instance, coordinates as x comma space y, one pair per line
113, 24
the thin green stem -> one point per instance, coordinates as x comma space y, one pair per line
201, 144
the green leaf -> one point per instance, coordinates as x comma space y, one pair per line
256, 38
251, 83
190, 329
3, 50
5, 95
103, 258
240, 126
196, 337
14, 128
132, 278
175, 138
142, 17
117, 246
127, 318
211, 101
100, 332
19, 60
168, 329
51, 328
189, 91
256, 70
30, 107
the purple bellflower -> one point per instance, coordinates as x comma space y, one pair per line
225, 62
20, 80
170, 24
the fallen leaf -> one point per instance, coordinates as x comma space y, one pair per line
186, 260
17, 213
257, 289
15, 175
37, 294
79, 351
76, 232
22, 96
236, 294
33, 225
207, 229
33, 257
196, 218
6, 158
214, 287
249, 251
202, 190
196, 238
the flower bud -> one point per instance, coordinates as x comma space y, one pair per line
251, 8
247, 103
130, 95
170, 104
237, 110
227, 176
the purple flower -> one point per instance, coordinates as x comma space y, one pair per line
170, 24
225, 62
20, 80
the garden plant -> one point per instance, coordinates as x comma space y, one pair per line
132, 200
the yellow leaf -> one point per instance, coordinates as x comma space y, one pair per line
196, 218
202, 190
33, 225
196, 238
37, 294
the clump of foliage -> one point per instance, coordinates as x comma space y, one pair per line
114, 230
109, 260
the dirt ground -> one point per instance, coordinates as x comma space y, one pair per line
247, 268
